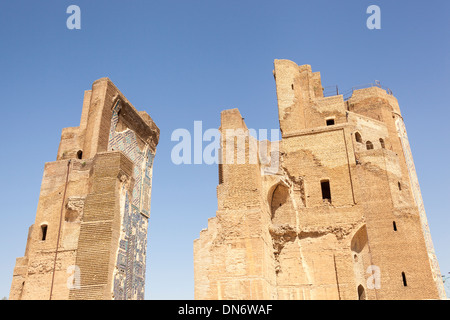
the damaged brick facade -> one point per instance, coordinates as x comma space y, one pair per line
342, 218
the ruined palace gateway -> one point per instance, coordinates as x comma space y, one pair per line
89, 238
342, 218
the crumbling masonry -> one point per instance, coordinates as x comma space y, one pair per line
89, 238
342, 216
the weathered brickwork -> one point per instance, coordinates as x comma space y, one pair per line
342, 218
89, 238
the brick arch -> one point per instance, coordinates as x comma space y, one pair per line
281, 206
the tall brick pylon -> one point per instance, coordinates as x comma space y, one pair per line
89, 238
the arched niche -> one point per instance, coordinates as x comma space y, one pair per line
281, 207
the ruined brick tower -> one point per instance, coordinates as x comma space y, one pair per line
341, 217
89, 238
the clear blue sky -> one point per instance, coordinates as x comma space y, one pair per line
187, 60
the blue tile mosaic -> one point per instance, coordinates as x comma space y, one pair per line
129, 278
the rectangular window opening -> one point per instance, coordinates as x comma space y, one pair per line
326, 192
330, 122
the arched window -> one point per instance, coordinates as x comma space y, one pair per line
361, 293
281, 206
369, 145
358, 137
382, 143
79, 154
43, 232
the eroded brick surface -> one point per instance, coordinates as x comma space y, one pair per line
279, 237
94, 206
